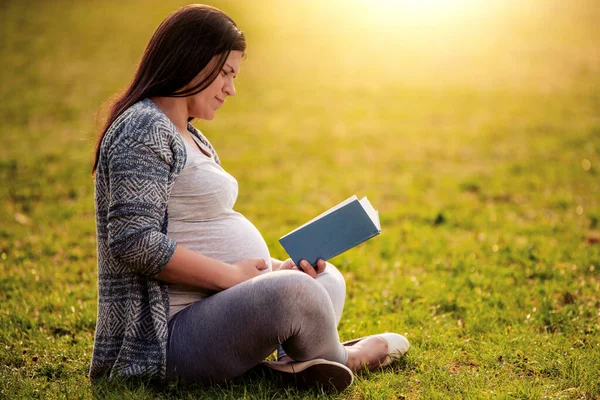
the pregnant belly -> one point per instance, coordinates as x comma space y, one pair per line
229, 238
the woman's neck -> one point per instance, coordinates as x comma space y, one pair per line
175, 108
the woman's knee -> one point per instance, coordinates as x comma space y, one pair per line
334, 276
335, 285
295, 289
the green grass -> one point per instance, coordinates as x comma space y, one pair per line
476, 136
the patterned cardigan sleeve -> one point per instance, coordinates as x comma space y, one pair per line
138, 180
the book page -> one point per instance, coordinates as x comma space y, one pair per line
332, 209
371, 212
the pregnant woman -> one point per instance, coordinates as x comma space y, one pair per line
187, 289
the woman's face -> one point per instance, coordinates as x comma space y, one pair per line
205, 104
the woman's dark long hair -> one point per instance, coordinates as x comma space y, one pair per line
182, 46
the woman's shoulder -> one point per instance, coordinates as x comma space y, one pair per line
145, 124
143, 120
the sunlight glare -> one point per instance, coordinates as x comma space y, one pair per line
419, 11
422, 6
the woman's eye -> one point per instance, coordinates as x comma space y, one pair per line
224, 72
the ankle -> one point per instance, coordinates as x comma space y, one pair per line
354, 361
367, 354
286, 359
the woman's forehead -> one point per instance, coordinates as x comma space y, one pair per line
235, 57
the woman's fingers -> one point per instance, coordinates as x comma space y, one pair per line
308, 269
321, 265
260, 264
288, 264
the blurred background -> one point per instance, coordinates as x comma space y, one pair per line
473, 126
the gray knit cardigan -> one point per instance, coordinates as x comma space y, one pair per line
140, 156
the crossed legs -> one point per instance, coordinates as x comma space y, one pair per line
230, 332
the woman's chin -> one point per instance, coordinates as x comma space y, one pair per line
204, 116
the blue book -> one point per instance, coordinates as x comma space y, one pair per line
338, 229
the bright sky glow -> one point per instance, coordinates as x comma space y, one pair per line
421, 12
431, 7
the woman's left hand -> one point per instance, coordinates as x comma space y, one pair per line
305, 267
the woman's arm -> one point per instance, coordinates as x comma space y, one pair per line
192, 268
133, 188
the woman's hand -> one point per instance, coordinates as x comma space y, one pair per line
248, 268
191, 268
305, 267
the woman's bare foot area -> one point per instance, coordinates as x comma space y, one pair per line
369, 353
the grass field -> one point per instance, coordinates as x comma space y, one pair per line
474, 130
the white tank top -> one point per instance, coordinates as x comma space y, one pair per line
201, 218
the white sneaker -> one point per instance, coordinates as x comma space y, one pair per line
397, 346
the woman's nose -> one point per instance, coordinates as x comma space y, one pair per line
229, 89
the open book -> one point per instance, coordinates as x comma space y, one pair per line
336, 230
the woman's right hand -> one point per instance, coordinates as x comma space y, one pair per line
249, 268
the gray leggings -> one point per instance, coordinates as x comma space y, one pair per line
230, 332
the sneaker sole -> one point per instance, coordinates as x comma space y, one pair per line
320, 374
